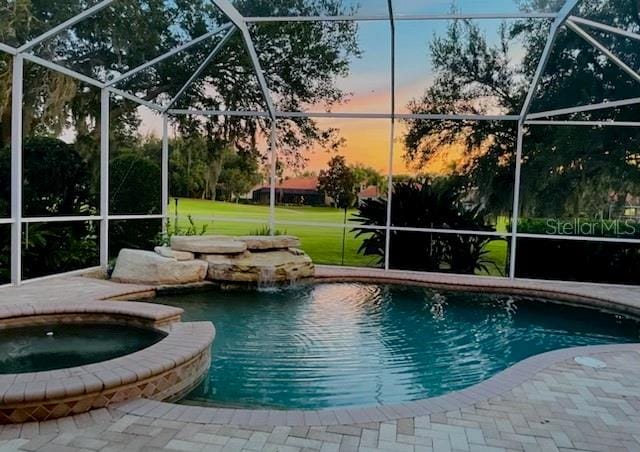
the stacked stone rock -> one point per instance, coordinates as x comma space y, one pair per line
246, 259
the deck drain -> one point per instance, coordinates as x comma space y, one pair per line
590, 362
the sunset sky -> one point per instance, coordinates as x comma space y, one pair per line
369, 83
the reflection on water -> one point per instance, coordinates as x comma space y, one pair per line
331, 345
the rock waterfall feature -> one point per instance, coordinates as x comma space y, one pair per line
189, 259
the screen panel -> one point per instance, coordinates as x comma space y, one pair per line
61, 145
481, 67
340, 164
449, 253
574, 260
217, 168
440, 7
454, 174
59, 247
339, 246
581, 181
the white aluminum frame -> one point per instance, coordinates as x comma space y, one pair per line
169, 54
602, 48
604, 27
584, 108
16, 169
584, 123
105, 99
232, 13
239, 23
392, 139
384, 17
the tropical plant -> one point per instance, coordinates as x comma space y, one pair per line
265, 230
432, 204
192, 229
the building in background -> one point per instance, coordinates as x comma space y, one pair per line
300, 191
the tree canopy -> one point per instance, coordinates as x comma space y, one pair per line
300, 61
566, 171
338, 182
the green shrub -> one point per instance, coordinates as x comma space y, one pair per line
134, 188
57, 182
575, 260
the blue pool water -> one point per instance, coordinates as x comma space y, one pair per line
335, 345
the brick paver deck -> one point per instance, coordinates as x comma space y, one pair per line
547, 403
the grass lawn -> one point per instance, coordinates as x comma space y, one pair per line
322, 243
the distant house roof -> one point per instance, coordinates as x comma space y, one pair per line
371, 191
309, 183
299, 183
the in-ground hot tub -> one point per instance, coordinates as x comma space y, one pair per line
38, 348
59, 360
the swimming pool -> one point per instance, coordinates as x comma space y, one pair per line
349, 344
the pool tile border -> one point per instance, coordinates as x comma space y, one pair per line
495, 386
154, 315
621, 299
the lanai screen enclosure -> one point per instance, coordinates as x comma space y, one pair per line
537, 99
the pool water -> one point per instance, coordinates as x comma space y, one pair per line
41, 348
336, 345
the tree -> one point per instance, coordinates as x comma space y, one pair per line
367, 176
339, 183
188, 166
571, 171
240, 173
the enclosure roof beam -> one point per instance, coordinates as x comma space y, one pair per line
585, 123
63, 70
200, 69
65, 25
152, 105
603, 27
168, 54
584, 108
175, 111
604, 50
561, 18
232, 13
385, 17
8, 49
392, 26
302, 114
